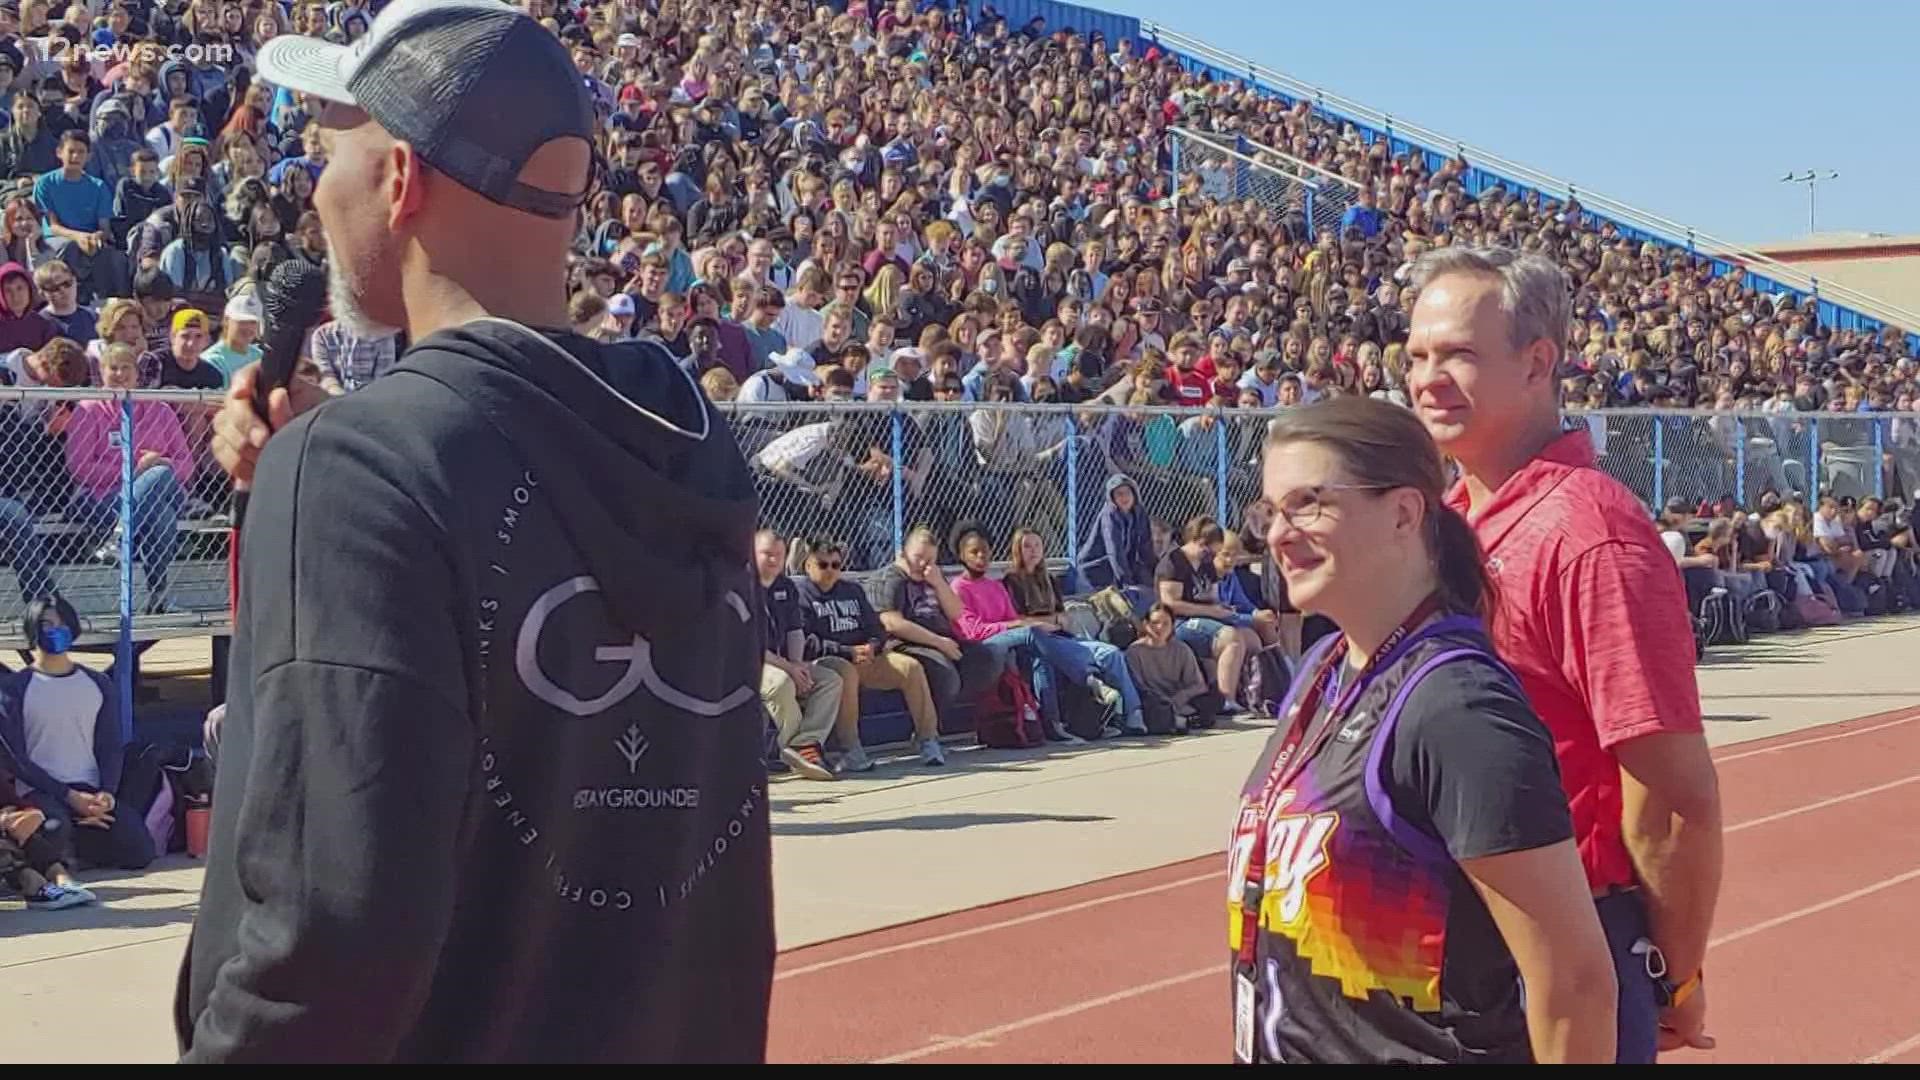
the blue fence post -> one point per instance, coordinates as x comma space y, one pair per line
123, 650
1879, 472
1813, 460
899, 483
1073, 500
1740, 460
1309, 190
1220, 466
1659, 463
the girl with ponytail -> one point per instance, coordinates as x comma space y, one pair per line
1406, 821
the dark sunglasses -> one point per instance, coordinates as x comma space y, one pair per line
827, 564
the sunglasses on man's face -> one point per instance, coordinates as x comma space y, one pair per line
827, 564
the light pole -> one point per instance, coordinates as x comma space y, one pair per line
1812, 179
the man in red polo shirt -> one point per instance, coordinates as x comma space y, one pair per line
1592, 617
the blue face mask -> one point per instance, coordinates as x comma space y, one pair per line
56, 640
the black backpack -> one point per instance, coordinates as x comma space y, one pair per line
1763, 612
1722, 622
1879, 595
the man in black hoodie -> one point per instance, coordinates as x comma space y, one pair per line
490, 784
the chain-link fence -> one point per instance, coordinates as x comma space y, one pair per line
830, 469
1233, 169
1699, 456
113, 501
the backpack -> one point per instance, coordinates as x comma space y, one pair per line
1267, 680
1764, 609
1815, 610
1848, 597
1723, 622
1878, 595
1084, 717
1008, 716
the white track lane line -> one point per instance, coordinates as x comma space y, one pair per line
941, 1046
1813, 909
1894, 1051
1823, 804
1764, 751
1031, 917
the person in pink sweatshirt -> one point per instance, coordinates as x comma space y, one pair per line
990, 619
162, 468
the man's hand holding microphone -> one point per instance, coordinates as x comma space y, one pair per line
267, 395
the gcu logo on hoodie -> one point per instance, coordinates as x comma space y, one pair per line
637, 654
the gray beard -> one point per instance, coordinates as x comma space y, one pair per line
346, 307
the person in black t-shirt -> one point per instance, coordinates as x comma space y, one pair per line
1186, 582
1873, 532
180, 365
918, 607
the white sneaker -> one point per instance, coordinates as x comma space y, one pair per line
932, 754
855, 760
1107, 696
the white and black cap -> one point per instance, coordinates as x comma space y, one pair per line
474, 86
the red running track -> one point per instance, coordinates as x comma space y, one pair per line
1815, 956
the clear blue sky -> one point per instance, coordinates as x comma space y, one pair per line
1690, 109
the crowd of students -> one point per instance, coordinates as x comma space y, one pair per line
1184, 635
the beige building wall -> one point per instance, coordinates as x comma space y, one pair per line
1886, 268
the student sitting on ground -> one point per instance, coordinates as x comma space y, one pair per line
60, 734
842, 624
1190, 588
1174, 697
32, 853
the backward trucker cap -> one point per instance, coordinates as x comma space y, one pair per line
474, 86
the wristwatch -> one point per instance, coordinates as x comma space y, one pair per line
1673, 996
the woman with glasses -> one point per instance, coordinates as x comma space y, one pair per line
1403, 883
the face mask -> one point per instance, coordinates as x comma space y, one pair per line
56, 640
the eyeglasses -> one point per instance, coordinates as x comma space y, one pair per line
1302, 507
57, 286
827, 564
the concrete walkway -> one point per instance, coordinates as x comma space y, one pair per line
904, 843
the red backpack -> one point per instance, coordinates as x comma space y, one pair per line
1008, 715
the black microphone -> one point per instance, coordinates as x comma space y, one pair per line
291, 301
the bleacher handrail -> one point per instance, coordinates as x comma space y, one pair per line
1673, 232
1315, 175
1315, 182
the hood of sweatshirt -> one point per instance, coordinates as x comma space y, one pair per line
15, 270
667, 517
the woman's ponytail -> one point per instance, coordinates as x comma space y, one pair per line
1465, 585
